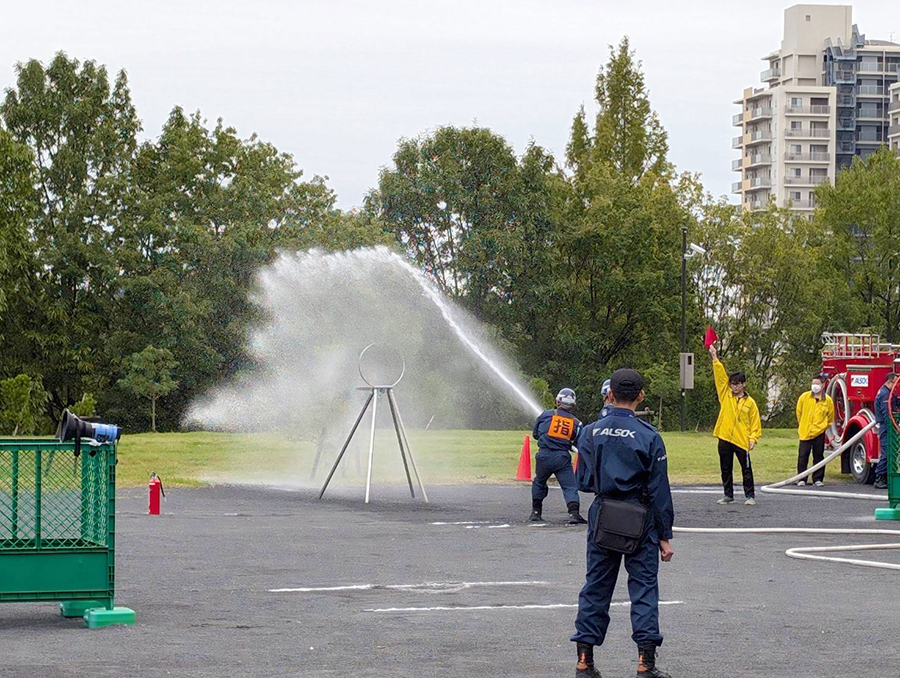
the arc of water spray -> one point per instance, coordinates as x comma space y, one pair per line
435, 296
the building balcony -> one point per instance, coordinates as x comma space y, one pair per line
807, 157
806, 181
757, 159
737, 142
737, 165
867, 67
737, 119
800, 204
807, 110
759, 136
894, 130
844, 76
737, 186
894, 106
757, 183
761, 112
770, 74
808, 133
869, 139
869, 114
870, 90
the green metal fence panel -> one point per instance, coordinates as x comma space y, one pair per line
57, 521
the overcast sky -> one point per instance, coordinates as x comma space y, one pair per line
338, 82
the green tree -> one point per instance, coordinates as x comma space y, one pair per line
766, 284
81, 130
149, 376
862, 211
17, 206
21, 402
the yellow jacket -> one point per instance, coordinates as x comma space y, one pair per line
738, 421
813, 415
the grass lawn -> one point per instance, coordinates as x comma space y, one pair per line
443, 457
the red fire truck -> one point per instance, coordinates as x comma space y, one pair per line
856, 366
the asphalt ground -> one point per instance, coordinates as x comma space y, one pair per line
201, 578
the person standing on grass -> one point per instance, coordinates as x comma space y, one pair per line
815, 413
884, 420
738, 429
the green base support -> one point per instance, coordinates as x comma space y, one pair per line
100, 617
887, 514
77, 608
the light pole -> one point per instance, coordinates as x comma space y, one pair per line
684, 231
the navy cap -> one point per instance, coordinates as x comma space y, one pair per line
626, 381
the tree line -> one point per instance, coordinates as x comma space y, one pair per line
126, 265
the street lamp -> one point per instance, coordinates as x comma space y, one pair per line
686, 360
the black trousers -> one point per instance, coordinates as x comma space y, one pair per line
817, 447
727, 452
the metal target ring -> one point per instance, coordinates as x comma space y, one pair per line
363, 376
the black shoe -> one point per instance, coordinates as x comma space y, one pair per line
576, 519
536, 517
647, 664
881, 483
585, 667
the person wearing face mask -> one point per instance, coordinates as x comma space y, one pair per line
738, 428
815, 413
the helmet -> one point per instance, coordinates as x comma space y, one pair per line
605, 388
566, 398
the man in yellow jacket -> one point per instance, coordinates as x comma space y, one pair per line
815, 412
738, 428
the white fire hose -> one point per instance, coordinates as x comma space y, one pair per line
810, 553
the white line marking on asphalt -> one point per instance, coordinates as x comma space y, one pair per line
475, 608
490, 527
407, 587
465, 522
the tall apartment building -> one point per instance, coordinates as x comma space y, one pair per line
825, 101
894, 113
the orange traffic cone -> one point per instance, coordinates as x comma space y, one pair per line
524, 472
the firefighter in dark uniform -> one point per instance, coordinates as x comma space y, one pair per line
556, 432
623, 460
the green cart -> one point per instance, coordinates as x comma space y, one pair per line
893, 475
57, 527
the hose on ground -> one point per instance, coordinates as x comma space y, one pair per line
811, 553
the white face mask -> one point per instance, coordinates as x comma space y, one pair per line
816, 388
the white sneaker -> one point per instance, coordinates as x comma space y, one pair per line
819, 483
750, 502
802, 483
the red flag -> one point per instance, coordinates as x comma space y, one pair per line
711, 337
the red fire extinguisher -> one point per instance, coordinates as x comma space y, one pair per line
156, 489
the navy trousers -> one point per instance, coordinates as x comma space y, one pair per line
560, 465
881, 466
643, 590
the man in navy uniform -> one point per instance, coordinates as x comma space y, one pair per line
623, 458
884, 420
556, 432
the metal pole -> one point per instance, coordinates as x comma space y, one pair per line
412, 492
371, 445
684, 231
408, 448
347, 442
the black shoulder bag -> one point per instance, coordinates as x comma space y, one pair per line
620, 524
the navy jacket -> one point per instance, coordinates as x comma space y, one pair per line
620, 457
881, 411
556, 431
